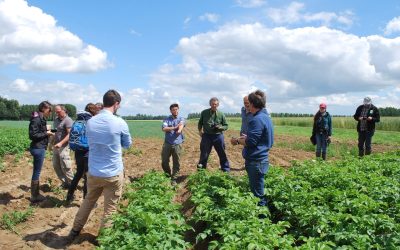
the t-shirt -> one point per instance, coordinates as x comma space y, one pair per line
172, 137
61, 126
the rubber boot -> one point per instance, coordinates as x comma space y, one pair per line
318, 154
35, 195
361, 153
324, 156
367, 152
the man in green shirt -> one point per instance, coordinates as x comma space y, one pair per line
211, 125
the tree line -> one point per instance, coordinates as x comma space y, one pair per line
11, 110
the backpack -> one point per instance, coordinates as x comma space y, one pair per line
77, 136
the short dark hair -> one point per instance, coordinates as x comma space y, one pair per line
111, 97
173, 105
44, 105
257, 99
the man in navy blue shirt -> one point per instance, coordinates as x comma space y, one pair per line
172, 126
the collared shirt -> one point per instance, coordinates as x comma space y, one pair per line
107, 135
62, 125
172, 137
209, 119
246, 116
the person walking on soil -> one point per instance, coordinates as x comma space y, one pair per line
81, 151
61, 153
366, 115
39, 136
211, 125
257, 143
107, 135
322, 130
173, 127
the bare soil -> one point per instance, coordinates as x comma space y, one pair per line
52, 219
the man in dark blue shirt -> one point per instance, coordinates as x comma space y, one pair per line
172, 126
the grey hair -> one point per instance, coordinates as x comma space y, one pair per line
213, 99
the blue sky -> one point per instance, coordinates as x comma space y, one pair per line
159, 52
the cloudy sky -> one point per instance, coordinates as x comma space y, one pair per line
159, 52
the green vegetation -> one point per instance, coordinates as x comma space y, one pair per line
145, 129
150, 220
13, 140
11, 219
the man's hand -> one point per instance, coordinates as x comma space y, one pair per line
58, 145
369, 118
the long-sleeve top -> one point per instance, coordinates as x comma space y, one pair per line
372, 112
260, 137
38, 131
246, 116
209, 119
107, 135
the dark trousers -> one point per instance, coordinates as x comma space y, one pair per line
169, 150
256, 171
206, 144
38, 159
81, 158
364, 141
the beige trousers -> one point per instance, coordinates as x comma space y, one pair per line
62, 164
111, 188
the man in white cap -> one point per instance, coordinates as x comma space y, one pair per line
366, 115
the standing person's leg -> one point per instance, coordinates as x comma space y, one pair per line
165, 155
205, 150
38, 159
361, 142
86, 168
219, 145
176, 157
95, 188
80, 170
324, 146
318, 138
112, 193
368, 141
256, 171
57, 164
66, 164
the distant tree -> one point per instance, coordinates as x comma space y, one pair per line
9, 109
26, 110
389, 111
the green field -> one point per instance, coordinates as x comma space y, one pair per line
145, 129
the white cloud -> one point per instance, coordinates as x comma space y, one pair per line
210, 17
134, 32
393, 26
294, 13
250, 3
31, 38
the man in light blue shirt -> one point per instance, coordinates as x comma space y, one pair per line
107, 135
172, 126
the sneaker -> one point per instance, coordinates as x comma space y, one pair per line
70, 198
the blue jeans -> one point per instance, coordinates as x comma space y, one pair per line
38, 159
365, 138
321, 143
206, 144
256, 171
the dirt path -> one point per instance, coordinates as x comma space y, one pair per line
52, 219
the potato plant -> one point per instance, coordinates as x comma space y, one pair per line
150, 220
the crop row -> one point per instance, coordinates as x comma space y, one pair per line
13, 140
150, 220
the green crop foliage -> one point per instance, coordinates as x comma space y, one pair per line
150, 220
13, 140
11, 219
145, 129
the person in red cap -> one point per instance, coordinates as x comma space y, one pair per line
322, 130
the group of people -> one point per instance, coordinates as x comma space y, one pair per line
106, 135
366, 115
99, 158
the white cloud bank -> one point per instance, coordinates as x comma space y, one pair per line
32, 39
393, 26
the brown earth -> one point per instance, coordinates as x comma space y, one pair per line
52, 219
